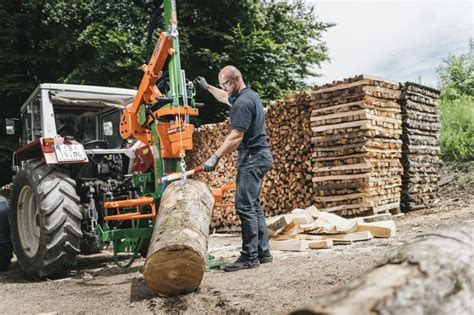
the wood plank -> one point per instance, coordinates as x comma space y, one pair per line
314, 112
311, 210
339, 177
341, 86
354, 236
356, 166
289, 245
328, 223
276, 226
341, 197
339, 115
379, 229
347, 207
360, 123
320, 244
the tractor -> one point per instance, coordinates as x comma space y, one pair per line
94, 162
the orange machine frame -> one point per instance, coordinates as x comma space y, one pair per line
174, 137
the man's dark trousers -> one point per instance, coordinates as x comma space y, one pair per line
251, 168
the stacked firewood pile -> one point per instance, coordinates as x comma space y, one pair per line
206, 140
357, 126
339, 147
420, 159
288, 184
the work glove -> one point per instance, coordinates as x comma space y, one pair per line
202, 83
211, 163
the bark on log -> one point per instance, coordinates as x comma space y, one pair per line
176, 258
431, 275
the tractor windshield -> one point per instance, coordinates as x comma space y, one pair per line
76, 123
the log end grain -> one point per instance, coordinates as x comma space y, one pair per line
174, 271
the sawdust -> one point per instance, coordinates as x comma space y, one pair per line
292, 280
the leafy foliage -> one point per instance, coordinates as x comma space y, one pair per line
275, 44
457, 130
456, 76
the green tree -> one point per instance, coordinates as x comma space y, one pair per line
456, 74
456, 77
276, 45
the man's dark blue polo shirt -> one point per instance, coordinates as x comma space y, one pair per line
246, 115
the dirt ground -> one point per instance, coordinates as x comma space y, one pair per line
292, 280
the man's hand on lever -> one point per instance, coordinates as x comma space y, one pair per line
211, 163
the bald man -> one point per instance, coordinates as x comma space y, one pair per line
248, 136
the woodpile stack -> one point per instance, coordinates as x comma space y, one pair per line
338, 146
312, 229
357, 126
288, 185
420, 153
206, 140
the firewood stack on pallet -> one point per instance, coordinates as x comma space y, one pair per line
357, 126
339, 147
420, 152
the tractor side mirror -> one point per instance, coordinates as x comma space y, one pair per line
9, 126
108, 128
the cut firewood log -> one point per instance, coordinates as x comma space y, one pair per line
430, 275
176, 258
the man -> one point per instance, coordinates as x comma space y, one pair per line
249, 137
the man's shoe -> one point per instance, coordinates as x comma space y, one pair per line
241, 263
265, 259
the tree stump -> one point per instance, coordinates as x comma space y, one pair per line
176, 258
431, 275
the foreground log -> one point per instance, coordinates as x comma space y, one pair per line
431, 275
176, 258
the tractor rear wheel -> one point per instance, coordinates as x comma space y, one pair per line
45, 221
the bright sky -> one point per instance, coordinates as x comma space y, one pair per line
399, 40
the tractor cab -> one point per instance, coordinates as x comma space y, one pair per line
83, 113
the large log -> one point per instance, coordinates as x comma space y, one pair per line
430, 275
176, 258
